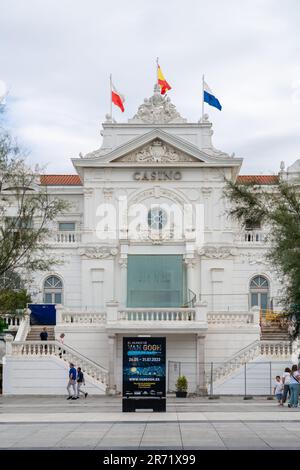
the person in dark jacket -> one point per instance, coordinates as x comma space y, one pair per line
80, 383
44, 334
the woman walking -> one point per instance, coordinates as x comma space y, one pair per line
286, 380
294, 387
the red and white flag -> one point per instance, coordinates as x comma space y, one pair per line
117, 98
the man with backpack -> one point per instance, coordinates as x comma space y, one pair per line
80, 383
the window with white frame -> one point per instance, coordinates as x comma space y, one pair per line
66, 226
259, 292
157, 218
53, 290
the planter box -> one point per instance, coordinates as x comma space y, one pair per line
181, 394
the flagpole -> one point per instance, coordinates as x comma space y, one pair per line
157, 61
110, 97
202, 96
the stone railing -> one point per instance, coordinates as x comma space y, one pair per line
253, 236
12, 321
82, 318
65, 237
280, 349
158, 314
275, 349
230, 319
24, 328
34, 349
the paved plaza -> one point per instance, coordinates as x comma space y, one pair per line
194, 423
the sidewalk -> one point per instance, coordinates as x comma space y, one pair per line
194, 423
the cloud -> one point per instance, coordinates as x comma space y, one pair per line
3, 90
56, 58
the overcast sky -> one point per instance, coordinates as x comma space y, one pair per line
56, 57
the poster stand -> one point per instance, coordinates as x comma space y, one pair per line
144, 374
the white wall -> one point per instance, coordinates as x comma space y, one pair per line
91, 341
221, 345
40, 376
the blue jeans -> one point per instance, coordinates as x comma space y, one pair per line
294, 389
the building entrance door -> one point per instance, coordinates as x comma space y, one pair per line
155, 281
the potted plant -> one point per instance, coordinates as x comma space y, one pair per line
181, 387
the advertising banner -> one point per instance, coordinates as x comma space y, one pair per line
144, 367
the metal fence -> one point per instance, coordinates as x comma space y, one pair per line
236, 378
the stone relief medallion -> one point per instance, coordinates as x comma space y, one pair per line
157, 152
99, 252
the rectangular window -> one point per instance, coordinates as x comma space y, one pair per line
254, 300
57, 298
18, 222
48, 298
251, 225
155, 281
66, 226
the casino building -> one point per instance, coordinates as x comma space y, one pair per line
147, 249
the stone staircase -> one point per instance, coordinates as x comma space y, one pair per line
34, 333
274, 332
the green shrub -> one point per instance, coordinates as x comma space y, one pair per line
182, 383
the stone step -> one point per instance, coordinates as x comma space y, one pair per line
34, 333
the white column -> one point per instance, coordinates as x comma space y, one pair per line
8, 344
191, 275
123, 282
201, 311
112, 357
59, 310
206, 192
112, 311
256, 314
200, 355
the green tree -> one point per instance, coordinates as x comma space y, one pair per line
26, 212
278, 208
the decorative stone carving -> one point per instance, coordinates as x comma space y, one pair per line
100, 252
108, 192
253, 258
157, 110
206, 191
157, 152
214, 252
88, 192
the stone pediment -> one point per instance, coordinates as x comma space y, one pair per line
157, 151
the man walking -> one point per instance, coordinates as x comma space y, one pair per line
72, 382
80, 383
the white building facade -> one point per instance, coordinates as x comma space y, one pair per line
147, 248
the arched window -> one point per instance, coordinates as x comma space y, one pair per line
53, 290
11, 280
259, 292
157, 218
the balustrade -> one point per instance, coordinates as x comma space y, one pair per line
83, 317
181, 314
66, 237
253, 236
64, 352
226, 318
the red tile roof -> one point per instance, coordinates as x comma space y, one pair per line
257, 179
60, 180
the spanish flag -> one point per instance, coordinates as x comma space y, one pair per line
164, 86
